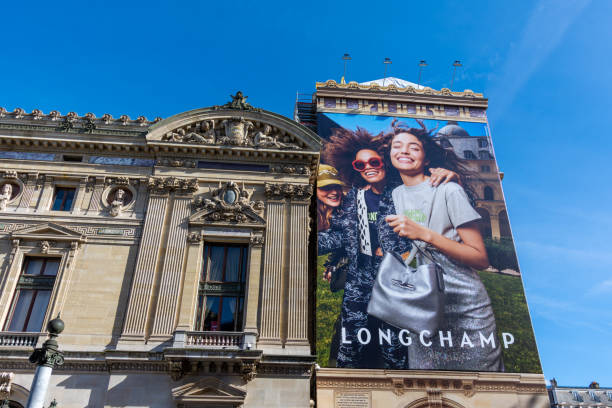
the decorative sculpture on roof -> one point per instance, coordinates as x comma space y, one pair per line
236, 132
230, 203
263, 138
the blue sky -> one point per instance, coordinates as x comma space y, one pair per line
544, 65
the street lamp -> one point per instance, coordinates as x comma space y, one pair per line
422, 64
345, 58
46, 358
387, 61
456, 64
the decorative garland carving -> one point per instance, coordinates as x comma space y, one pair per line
165, 185
194, 238
230, 203
300, 192
257, 240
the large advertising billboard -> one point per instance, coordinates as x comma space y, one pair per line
416, 264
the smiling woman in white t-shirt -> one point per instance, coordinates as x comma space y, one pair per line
453, 241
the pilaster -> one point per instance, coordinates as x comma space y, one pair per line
28, 191
46, 195
191, 280
144, 273
77, 207
172, 270
297, 294
254, 276
271, 287
96, 196
495, 232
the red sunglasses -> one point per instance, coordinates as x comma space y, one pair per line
373, 162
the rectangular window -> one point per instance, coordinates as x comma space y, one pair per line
62, 199
222, 286
392, 107
32, 296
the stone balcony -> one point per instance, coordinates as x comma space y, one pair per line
19, 339
213, 340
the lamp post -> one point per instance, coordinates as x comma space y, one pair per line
422, 64
46, 358
346, 58
456, 64
387, 61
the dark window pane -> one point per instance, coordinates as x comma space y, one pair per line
33, 266
232, 264
211, 319
198, 325
38, 311
59, 199
217, 255
69, 198
228, 314
23, 299
51, 267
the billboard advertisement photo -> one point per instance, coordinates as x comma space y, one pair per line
416, 263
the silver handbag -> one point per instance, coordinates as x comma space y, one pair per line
406, 297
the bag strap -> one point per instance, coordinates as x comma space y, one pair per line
416, 247
414, 243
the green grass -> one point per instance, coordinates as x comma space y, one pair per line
509, 306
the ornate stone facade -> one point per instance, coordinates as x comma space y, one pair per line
128, 227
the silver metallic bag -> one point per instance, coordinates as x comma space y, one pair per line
406, 297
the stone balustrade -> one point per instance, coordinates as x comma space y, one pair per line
18, 339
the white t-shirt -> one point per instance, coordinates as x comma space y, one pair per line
451, 208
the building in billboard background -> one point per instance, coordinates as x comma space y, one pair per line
372, 179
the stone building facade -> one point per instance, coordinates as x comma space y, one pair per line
175, 250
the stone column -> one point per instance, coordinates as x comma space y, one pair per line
252, 295
172, 271
297, 295
272, 277
44, 203
77, 207
191, 282
495, 232
144, 273
96, 197
28, 190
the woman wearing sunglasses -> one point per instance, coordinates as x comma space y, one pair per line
357, 229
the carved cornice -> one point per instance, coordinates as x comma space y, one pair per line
166, 185
399, 383
281, 191
468, 93
229, 203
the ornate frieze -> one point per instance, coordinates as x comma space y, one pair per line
280, 191
234, 131
166, 185
290, 169
230, 203
176, 162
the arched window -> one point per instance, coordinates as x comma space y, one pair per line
485, 223
488, 194
504, 225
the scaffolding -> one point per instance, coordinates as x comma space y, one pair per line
306, 110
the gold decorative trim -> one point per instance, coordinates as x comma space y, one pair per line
330, 83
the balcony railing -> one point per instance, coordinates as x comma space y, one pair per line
214, 339
18, 339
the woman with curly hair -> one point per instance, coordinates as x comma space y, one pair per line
358, 156
450, 238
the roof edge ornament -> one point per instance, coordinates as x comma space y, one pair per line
238, 102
